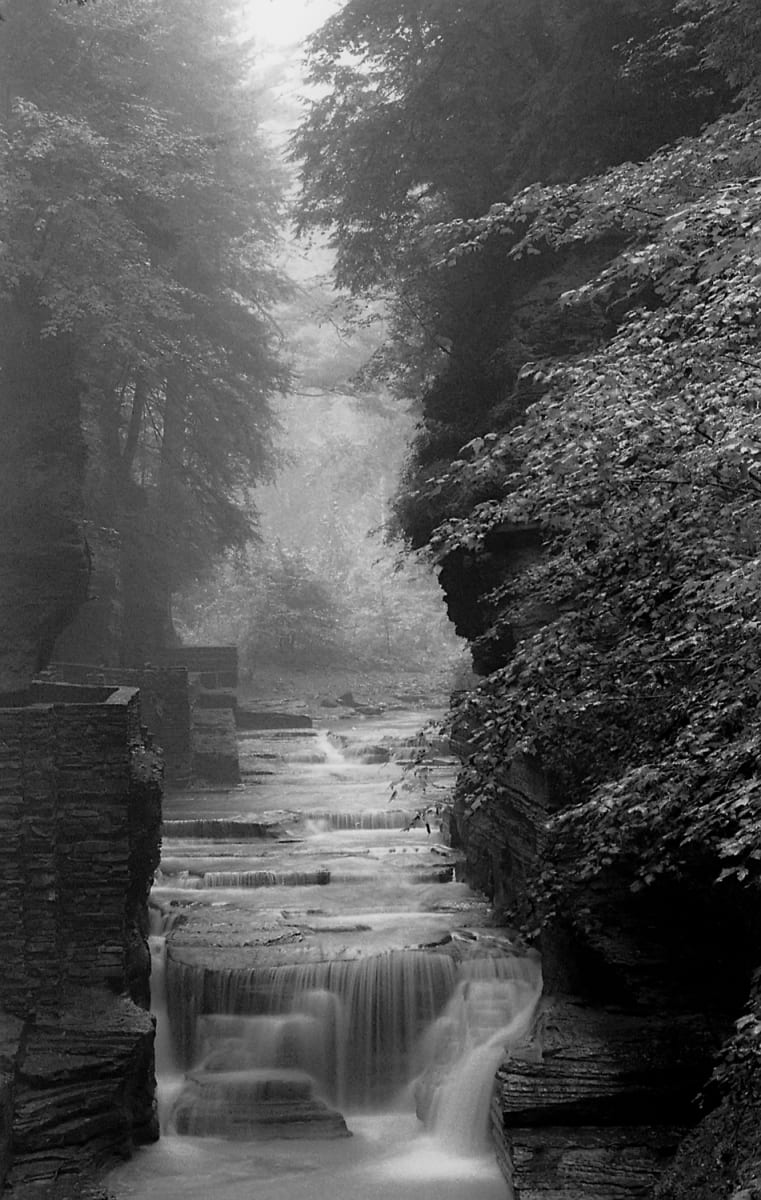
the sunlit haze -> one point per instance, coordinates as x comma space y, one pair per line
287, 22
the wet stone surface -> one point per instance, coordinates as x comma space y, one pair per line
320, 970
319, 902
337, 848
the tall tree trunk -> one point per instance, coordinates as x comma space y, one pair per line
151, 549
44, 559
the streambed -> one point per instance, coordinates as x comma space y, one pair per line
319, 974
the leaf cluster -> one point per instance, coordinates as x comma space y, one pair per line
642, 466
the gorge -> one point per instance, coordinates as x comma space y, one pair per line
520, 372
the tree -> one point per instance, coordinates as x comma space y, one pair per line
141, 210
323, 586
432, 112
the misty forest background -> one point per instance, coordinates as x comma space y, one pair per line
223, 454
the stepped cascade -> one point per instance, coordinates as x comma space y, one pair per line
322, 979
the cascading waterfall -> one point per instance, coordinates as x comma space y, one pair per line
483, 1022
168, 1071
359, 1028
326, 974
378, 818
257, 879
379, 1008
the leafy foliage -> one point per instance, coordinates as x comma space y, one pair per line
323, 586
140, 204
641, 464
430, 113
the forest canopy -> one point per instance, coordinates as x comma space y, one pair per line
139, 217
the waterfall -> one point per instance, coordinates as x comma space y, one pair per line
373, 994
360, 1027
378, 818
168, 1073
257, 879
378, 1009
483, 1022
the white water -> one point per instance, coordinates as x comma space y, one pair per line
370, 1030
387, 1158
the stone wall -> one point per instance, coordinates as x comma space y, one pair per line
215, 666
213, 672
164, 705
80, 816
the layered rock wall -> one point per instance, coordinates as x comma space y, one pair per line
603, 1107
638, 1001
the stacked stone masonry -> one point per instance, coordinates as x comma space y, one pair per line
215, 666
80, 815
213, 672
164, 706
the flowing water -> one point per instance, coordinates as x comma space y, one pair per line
332, 1004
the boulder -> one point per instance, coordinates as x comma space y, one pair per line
83, 1090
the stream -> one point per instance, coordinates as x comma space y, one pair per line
331, 1001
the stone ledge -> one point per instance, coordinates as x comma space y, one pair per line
83, 1089
616, 1163
598, 1067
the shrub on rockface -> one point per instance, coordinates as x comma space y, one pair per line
642, 467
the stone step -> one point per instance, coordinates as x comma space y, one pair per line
253, 719
236, 829
254, 1104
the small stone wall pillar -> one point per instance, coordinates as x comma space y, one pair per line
213, 672
164, 706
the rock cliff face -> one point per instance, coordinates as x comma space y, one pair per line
640, 994
637, 1005
80, 821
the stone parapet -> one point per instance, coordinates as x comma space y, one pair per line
80, 819
164, 705
215, 666
215, 746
